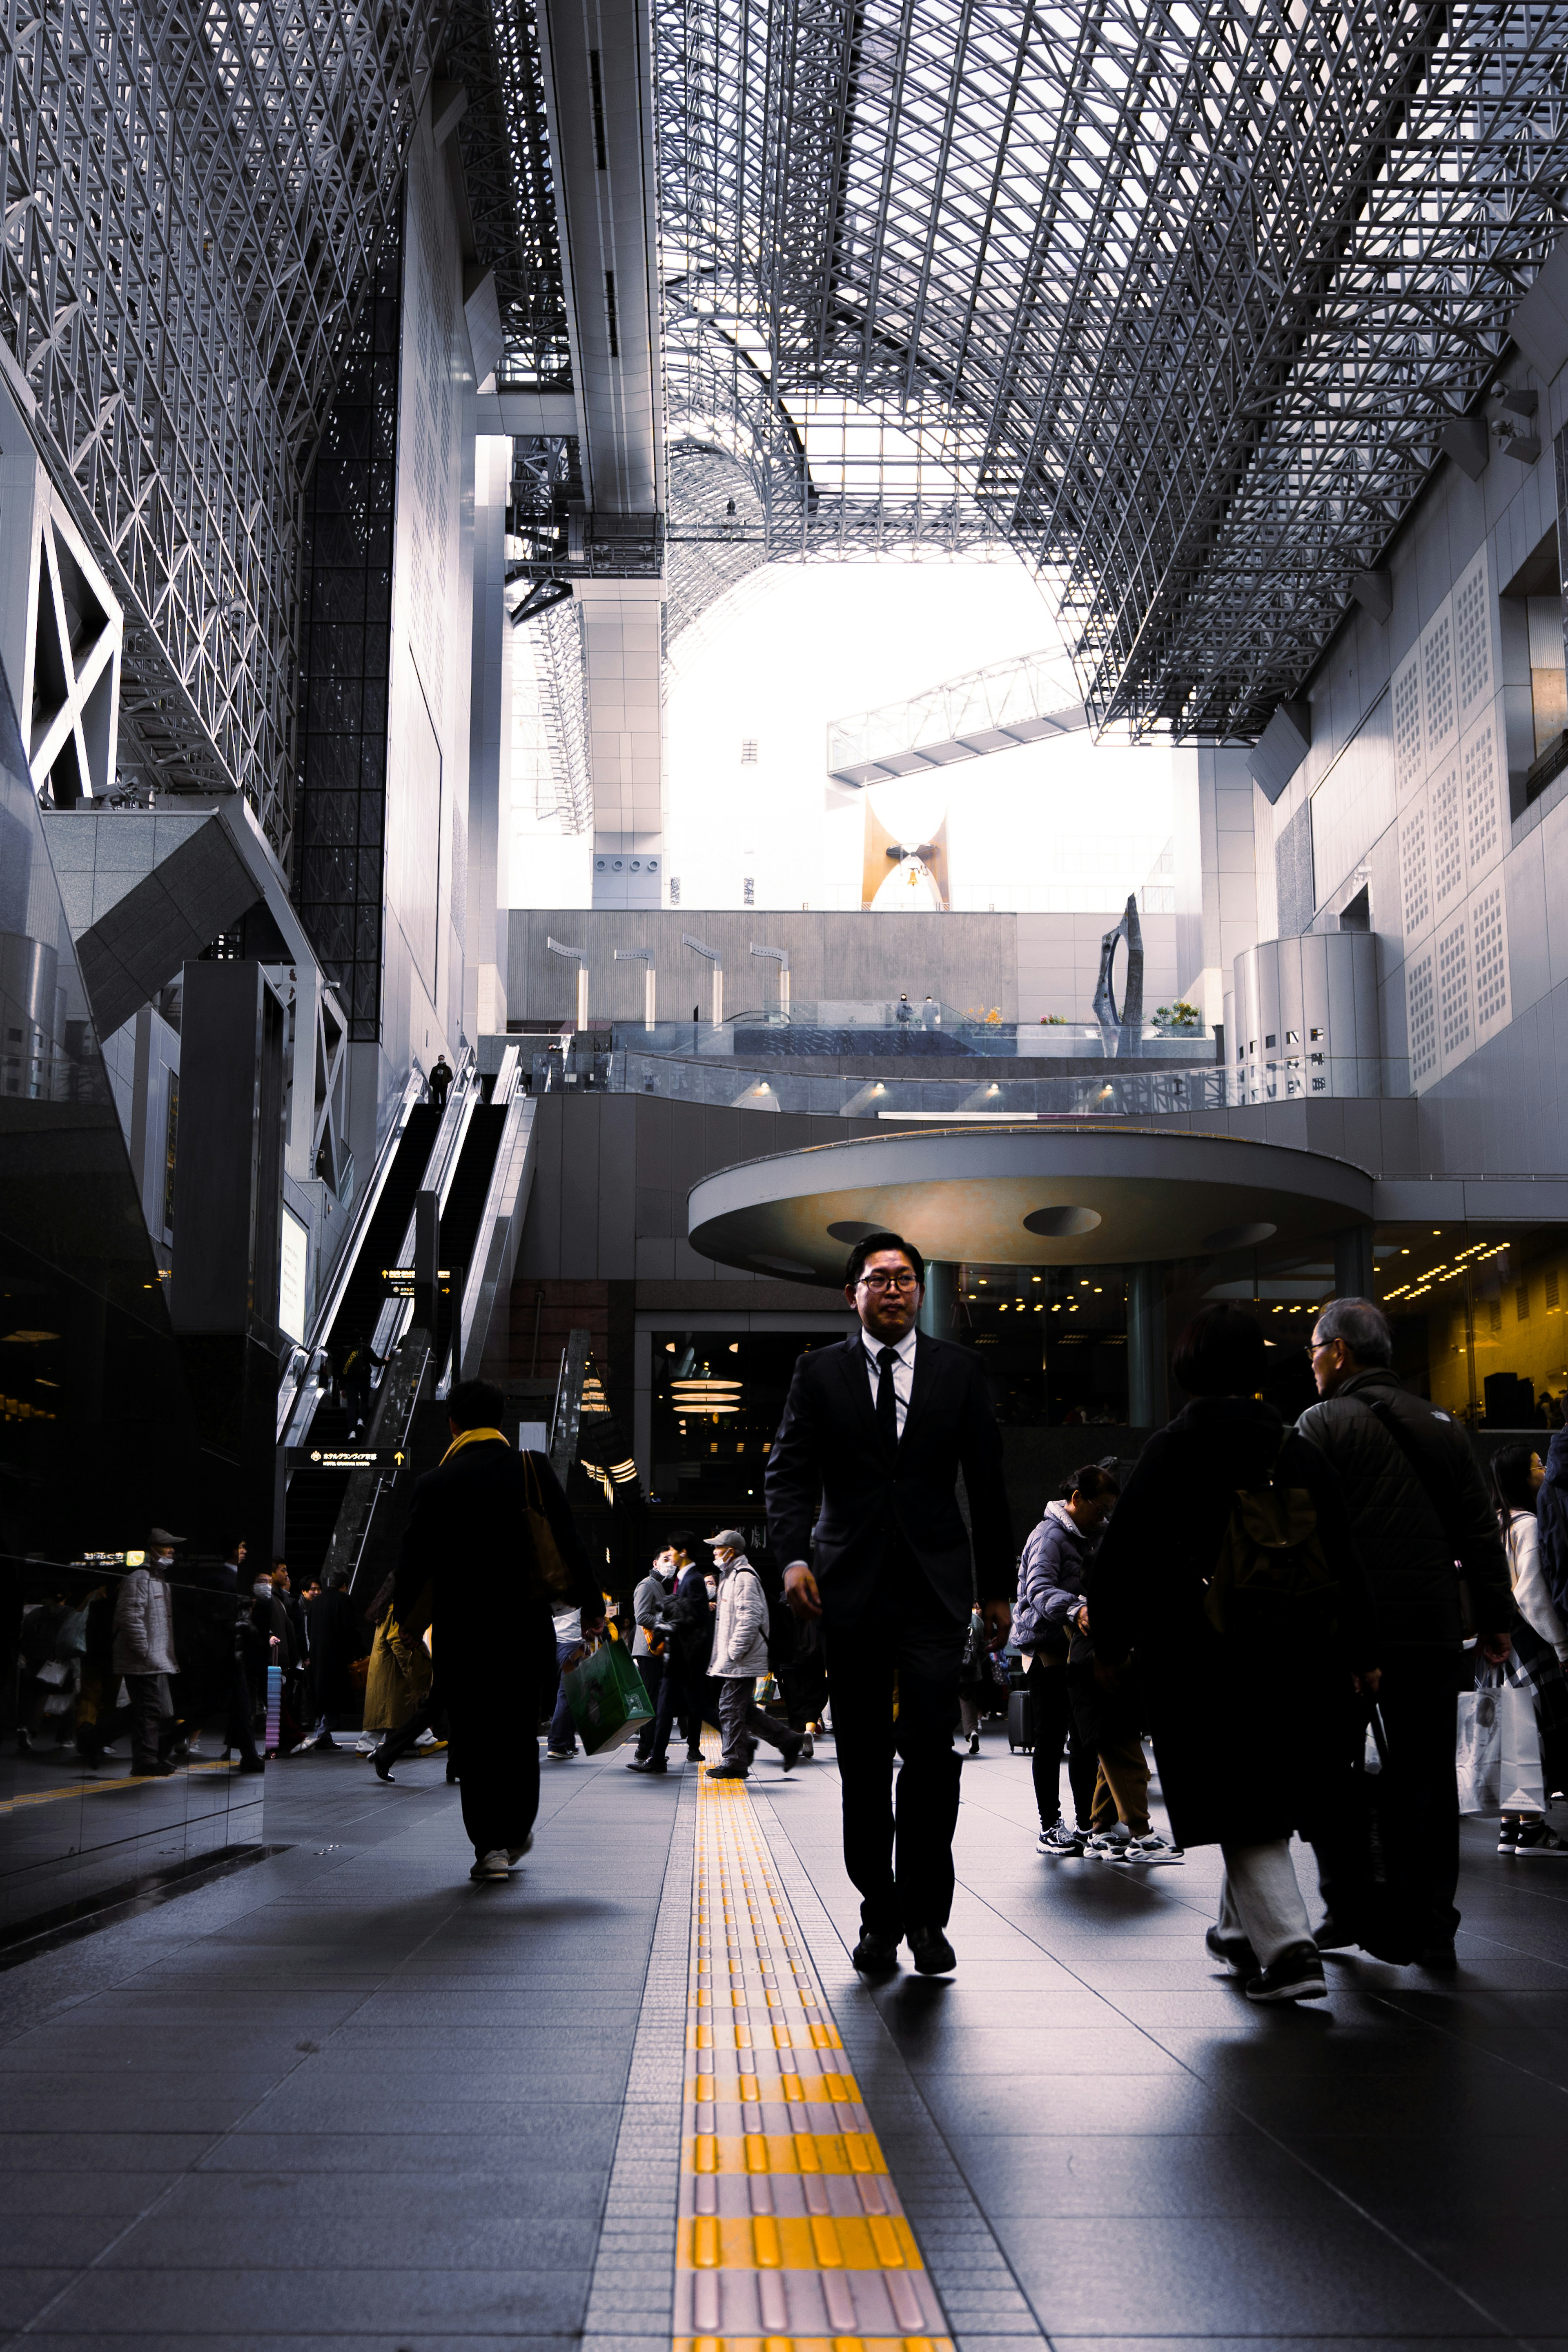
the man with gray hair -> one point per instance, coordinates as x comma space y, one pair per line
1421, 1523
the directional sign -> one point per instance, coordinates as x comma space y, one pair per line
357, 1457
399, 1280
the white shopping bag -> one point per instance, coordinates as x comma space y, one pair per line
1522, 1787
1480, 1749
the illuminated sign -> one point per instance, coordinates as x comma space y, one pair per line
400, 1280
357, 1457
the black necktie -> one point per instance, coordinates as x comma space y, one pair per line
886, 1401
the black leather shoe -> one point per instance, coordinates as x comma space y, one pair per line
1333, 1936
934, 1955
648, 1764
382, 1764
875, 1951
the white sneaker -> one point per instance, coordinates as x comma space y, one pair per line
1111, 1843
367, 1746
494, 1865
1147, 1850
516, 1852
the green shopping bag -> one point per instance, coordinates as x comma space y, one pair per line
605, 1693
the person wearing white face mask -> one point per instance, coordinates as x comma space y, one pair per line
739, 1655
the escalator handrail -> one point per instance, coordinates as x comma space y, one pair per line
370, 1200
507, 1194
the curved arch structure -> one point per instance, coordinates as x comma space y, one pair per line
1179, 301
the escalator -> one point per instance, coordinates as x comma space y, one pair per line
426, 1435
464, 1207
316, 1494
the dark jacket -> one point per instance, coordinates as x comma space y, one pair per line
1052, 1578
690, 1616
339, 1636
1552, 1518
835, 1489
1409, 1547
1248, 1741
468, 1567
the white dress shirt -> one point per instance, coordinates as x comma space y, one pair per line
903, 1370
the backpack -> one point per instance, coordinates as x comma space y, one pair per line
1272, 1581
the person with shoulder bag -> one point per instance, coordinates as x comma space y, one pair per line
1230, 1580
1430, 1538
1052, 1577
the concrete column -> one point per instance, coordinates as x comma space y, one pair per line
1148, 1383
939, 1306
626, 719
1353, 1263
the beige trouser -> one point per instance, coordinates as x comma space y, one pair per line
1121, 1786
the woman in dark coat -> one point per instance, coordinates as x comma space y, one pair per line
1248, 1722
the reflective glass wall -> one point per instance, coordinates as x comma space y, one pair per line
97, 1439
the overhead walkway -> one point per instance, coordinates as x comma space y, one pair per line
636, 2099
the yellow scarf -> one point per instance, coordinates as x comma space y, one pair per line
474, 1437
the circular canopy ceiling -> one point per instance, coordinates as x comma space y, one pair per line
1022, 1196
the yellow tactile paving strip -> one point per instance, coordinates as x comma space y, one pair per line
792, 2238
85, 1788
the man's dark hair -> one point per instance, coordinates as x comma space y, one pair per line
684, 1540
869, 1247
1364, 1328
1511, 1489
475, 1404
1220, 1353
1092, 1482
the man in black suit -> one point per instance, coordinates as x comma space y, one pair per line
861, 1508
470, 1571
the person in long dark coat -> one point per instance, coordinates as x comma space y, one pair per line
1249, 1727
470, 1571
337, 1636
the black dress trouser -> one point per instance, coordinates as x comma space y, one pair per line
1419, 1699
899, 1849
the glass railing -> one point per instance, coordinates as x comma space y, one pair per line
876, 1031
767, 1086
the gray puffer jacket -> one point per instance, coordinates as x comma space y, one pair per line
1415, 1553
1051, 1579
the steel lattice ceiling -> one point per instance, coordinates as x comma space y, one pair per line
1177, 299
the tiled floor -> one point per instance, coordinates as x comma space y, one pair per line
346, 2096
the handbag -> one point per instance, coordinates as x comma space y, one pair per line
554, 1573
1479, 1751
606, 1694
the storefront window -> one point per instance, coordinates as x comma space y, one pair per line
1055, 1339
718, 1399
1478, 1313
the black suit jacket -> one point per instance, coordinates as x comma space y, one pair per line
468, 1547
836, 1490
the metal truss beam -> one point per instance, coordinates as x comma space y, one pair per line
193, 194
1027, 700
1177, 301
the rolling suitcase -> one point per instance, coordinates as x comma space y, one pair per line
1021, 1722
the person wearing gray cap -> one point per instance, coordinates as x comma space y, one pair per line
739, 1655
144, 1652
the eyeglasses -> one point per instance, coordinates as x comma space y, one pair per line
908, 1280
